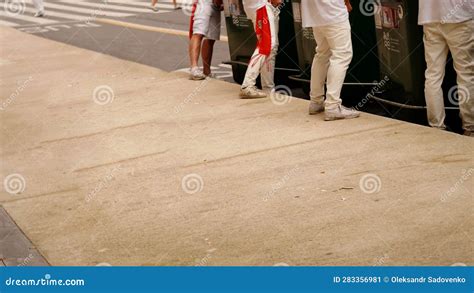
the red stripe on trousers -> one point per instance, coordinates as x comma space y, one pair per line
191, 23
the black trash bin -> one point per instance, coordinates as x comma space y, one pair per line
401, 53
364, 69
242, 41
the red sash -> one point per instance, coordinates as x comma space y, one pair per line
263, 31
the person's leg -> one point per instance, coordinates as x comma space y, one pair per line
319, 69
153, 5
39, 6
213, 34
175, 5
339, 40
199, 28
207, 50
257, 61
267, 72
436, 53
195, 49
461, 44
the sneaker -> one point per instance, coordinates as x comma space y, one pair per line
155, 9
39, 14
252, 92
196, 74
340, 112
211, 75
315, 108
469, 133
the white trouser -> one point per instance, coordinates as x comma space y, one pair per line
333, 56
261, 64
38, 5
439, 39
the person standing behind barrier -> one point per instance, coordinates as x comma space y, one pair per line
205, 30
265, 18
39, 6
332, 32
448, 26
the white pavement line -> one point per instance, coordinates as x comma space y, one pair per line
85, 10
107, 5
142, 4
148, 28
61, 15
7, 23
28, 18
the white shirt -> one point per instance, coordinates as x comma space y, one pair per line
323, 12
254, 4
445, 11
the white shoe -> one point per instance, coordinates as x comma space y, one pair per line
252, 92
196, 74
315, 108
155, 9
340, 112
39, 14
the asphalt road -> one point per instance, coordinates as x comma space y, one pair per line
167, 51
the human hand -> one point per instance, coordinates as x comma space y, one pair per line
276, 3
348, 5
219, 4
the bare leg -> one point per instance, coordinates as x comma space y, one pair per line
207, 50
153, 2
194, 49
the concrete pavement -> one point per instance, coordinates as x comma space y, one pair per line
106, 161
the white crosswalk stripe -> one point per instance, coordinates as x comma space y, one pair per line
86, 10
57, 11
107, 5
36, 20
67, 16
